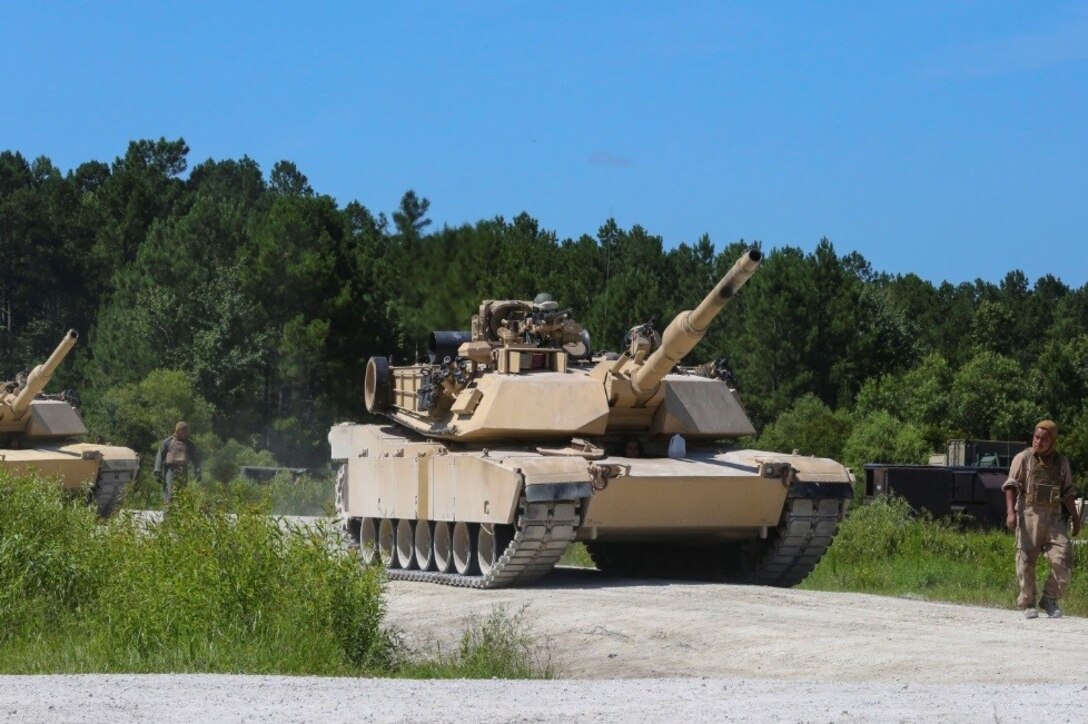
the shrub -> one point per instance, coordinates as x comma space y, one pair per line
141, 414
500, 647
202, 590
809, 426
50, 555
881, 438
884, 547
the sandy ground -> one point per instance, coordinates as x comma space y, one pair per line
225, 699
648, 651
599, 628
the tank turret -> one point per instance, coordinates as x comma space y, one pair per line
521, 355
43, 435
13, 406
634, 382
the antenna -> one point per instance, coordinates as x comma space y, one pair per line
607, 277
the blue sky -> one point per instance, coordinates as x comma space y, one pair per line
948, 139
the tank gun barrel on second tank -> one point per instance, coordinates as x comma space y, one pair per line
688, 327
40, 376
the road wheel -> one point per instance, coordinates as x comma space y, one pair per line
406, 542
368, 542
424, 545
491, 543
443, 546
464, 548
387, 549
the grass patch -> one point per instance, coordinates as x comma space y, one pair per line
883, 547
312, 495
200, 591
577, 555
498, 647
217, 586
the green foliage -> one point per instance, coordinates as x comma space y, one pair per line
200, 591
222, 465
576, 555
49, 556
284, 494
883, 547
146, 492
1073, 441
214, 586
920, 395
500, 647
990, 395
809, 426
881, 438
141, 414
1061, 377
269, 297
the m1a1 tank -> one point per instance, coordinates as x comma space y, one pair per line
511, 442
43, 434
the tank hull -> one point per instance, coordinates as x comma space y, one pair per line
706, 500
106, 470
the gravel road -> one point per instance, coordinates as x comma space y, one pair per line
649, 651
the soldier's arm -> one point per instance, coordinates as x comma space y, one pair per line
1069, 495
1010, 508
1011, 488
198, 464
1067, 478
158, 458
1070, 504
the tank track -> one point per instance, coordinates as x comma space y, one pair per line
541, 535
793, 549
788, 554
109, 490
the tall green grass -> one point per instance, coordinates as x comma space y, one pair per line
884, 547
498, 647
199, 591
282, 495
217, 585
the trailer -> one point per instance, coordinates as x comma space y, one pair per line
966, 480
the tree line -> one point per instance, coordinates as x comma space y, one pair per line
250, 304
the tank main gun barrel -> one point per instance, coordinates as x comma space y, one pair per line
690, 326
40, 376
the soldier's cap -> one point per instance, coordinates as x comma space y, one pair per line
181, 426
1048, 425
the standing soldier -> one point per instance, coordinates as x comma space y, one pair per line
176, 454
1040, 484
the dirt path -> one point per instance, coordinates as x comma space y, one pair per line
648, 651
602, 629
656, 651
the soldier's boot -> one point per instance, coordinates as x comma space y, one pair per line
1050, 606
1031, 613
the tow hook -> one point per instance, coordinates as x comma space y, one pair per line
601, 474
781, 470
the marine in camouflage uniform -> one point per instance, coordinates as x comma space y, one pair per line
1040, 484
177, 455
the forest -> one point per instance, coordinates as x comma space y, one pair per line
248, 304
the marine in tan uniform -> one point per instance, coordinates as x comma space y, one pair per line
176, 457
1040, 484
